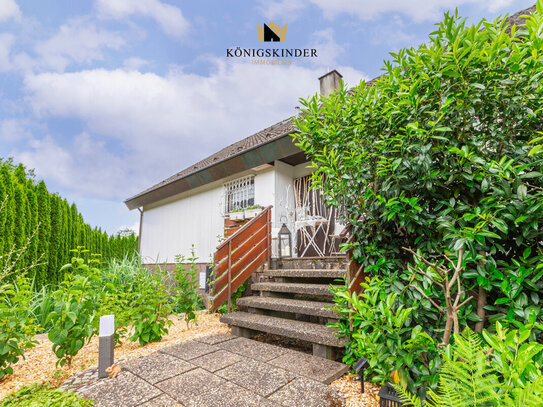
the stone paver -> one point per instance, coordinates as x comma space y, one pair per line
216, 360
258, 377
253, 349
215, 338
157, 367
312, 367
161, 401
126, 390
188, 350
217, 371
199, 388
303, 392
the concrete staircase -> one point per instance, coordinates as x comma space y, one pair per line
291, 299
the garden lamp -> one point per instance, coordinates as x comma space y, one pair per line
359, 367
285, 242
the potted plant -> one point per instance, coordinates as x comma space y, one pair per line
252, 211
237, 214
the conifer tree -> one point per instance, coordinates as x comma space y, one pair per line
54, 242
8, 212
44, 231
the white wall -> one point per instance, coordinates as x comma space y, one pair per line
171, 227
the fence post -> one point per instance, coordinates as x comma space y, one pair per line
229, 277
268, 240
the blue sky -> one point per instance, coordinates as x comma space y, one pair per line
105, 98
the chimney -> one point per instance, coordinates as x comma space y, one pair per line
330, 82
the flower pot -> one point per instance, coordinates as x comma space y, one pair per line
251, 213
237, 215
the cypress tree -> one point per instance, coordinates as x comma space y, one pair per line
2, 215
74, 223
8, 212
54, 242
32, 200
44, 231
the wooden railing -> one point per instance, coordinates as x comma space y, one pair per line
239, 256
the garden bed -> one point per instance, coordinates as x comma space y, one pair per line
39, 365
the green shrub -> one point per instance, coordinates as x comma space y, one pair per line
118, 278
43, 396
383, 333
42, 304
517, 361
151, 307
73, 315
187, 299
16, 323
469, 377
437, 155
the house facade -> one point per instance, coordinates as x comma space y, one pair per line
198, 207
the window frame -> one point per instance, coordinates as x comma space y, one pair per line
239, 193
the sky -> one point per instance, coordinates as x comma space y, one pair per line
105, 98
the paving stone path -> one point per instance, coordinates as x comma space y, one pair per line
218, 370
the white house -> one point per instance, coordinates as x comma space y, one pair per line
197, 206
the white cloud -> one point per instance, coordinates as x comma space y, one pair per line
13, 130
394, 34
9, 9
169, 17
78, 41
134, 63
162, 124
81, 166
416, 10
6, 42
328, 49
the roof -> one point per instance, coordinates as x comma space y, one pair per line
516, 19
274, 132
271, 133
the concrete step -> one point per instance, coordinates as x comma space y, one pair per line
305, 331
294, 288
305, 273
339, 262
315, 308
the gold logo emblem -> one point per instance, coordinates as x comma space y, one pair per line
271, 32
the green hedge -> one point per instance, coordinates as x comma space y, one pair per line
27, 204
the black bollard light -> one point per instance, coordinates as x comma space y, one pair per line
359, 367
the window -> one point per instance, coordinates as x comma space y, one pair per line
239, 193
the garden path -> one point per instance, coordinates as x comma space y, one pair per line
218, 370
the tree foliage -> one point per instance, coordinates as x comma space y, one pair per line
437, 155
28, 208
437, 166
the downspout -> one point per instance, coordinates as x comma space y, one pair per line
141, 226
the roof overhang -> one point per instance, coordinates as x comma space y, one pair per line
276, 149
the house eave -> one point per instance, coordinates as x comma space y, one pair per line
276, 149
